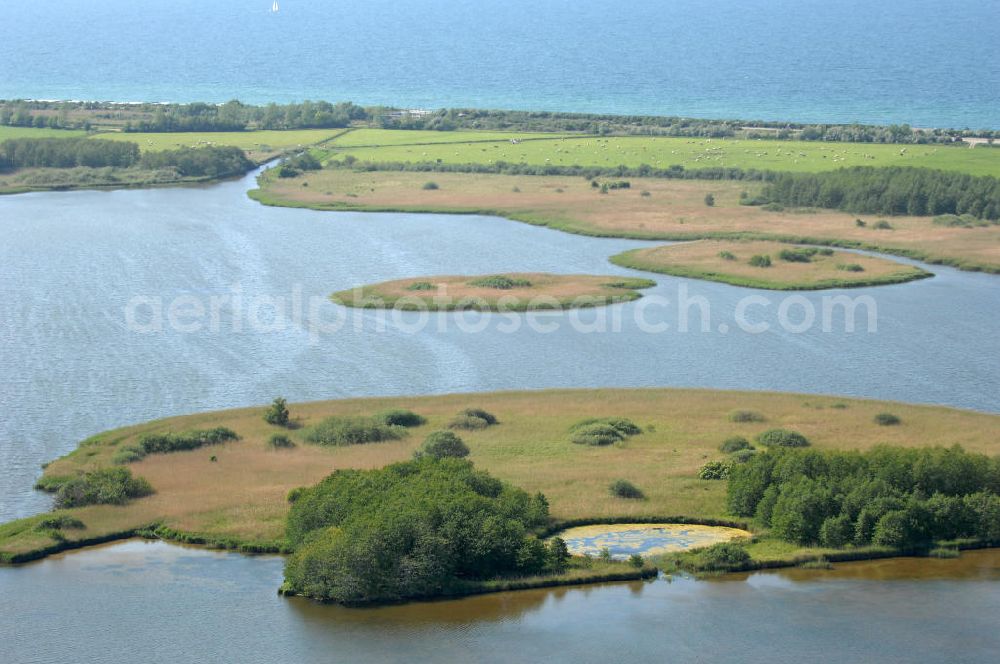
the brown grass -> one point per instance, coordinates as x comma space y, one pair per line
702, 259
243, 494
674, 209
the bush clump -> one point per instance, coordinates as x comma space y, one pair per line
500, 282
420, 286
735, 444
887, 419
850, 267
430, 186
164, 443
727, 255
279, 441
625, 489
782, 438
715, 470
597, 434
107, 486
760, 260
721, 557
277, 414
61, 522
441, 444
339, 431
622, 425
400, 418
744, 416
473, 419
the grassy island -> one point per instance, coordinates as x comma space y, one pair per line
497, 292
770, 265
216, 478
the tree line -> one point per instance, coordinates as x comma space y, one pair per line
891, 191
209, 161
237, 116
889, 496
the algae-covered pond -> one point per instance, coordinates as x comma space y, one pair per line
646, 539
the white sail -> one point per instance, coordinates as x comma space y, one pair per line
274, 7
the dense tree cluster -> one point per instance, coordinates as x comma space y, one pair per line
212, 161
895, 190
412, 529
66, 153
209, 161
895, 497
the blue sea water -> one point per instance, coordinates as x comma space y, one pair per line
925, 62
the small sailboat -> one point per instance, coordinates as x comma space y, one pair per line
274, 7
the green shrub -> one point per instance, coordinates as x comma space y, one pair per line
164, 443
759, 260
430, 186
727, 255
467, 423
421, 286
500, 282
735, 444
782, 438
622, 425
473, 419
742, 456
709, 200
62, 522
107, 486
743, 416
279, 441
636, 561
625, 489
400, 418
296, 493
277, 414
860, 223
51, 483
944, 552
850, 267
882, 225
721, 557
440, 444
887, 419
340, 431
714, 470
797, 255
596, 434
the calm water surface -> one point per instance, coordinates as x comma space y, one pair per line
925, 62
173, 604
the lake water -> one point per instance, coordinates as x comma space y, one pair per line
925, 62
164, 603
